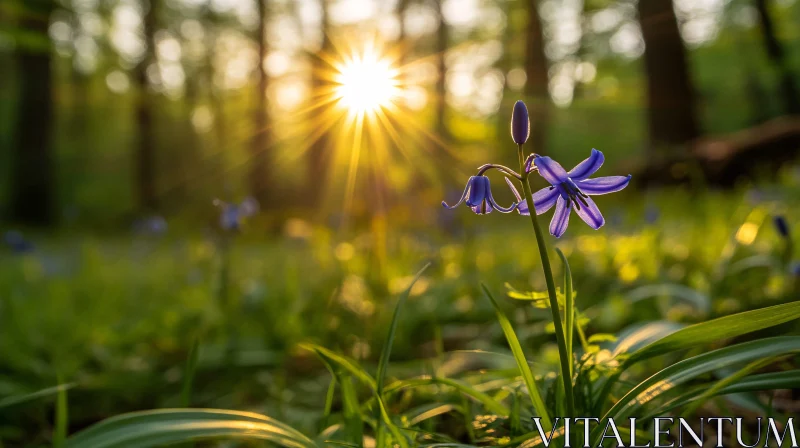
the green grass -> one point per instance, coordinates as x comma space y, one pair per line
331, 348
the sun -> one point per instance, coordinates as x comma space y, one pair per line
366, 82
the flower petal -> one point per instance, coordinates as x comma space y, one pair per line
463, 196
588, 166
496, 206
604, 185
544, 199
590, 214
551, 170
482, 209
558, 225
479, 186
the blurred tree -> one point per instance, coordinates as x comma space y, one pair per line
536, 90
319, 153
440, 96
777, 54
672, 118
262, 139
32, 187
145, 182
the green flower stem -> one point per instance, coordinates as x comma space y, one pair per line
566, 357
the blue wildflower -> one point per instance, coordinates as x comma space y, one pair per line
572, 189
17, 243
795, 269
232, 215
478, 197
781, 226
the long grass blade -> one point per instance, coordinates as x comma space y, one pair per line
683, 371
168, 426
569, 306
188, 374
62, 419
19, 399
387, 346
522, 362
721, 328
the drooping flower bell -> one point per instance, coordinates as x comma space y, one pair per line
570, 190
520, 124
478, 197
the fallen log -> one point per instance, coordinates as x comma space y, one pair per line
723, 160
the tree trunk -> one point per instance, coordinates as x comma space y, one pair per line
442, 42
536, 90
777, 55
145, 183
259, 164
320, 152
672, 118
33, 183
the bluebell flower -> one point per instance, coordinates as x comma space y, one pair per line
781, 226
232, 215
478, 197
570, 190
17, 243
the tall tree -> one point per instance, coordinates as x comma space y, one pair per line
262, 137
145, 181
536, 90
33, 181
777, 55
440, 100
319, 153
671, 113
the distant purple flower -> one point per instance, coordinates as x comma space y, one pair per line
570, 190
781, 226
232, 214
153, 225
651, 214
17, 243
520, 124
478, 197
795, 269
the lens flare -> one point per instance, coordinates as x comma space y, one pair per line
366, 83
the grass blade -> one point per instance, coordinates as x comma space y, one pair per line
721, 328
685, 370
188, 374
18, 399
765, 381
569, 306
488, 402
522, 362
167, 426
387, 346
62, 419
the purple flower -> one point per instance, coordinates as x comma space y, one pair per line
520, 124
17, 243
570, 190
233, 214
478, 197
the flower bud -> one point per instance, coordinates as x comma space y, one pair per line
520, 124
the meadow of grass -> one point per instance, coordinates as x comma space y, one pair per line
297, 327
